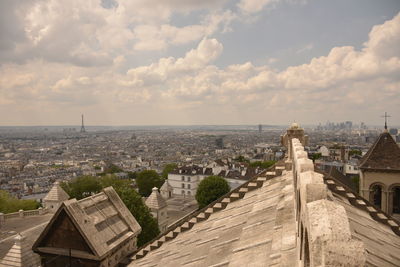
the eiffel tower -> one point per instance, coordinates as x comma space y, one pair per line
83, 126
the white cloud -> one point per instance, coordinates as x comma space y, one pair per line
82, 69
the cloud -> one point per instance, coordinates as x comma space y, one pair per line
94, 32
84, 70
255, 6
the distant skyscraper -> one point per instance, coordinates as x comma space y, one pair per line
219, 142
259, 128
83, 126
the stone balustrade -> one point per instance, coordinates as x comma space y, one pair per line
22, 214
324, 235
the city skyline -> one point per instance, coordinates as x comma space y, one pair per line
220, 62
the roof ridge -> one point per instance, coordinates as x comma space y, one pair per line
359, 202
203, 214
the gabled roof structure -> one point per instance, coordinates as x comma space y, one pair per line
155, 200
384, 155
92, 228
166, 186
286, 216
20, 255
56, 194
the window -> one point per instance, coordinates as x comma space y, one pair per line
188, 192
188, 186
183, 192
396, 200
183, 185
188, 179
376, 195
183, 178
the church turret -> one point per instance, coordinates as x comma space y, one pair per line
158, 207
55, 197
295, 131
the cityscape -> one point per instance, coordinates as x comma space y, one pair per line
217, 133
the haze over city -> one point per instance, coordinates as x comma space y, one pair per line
199, 62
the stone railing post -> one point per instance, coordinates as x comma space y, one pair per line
40, 210
1, 218
323, 226
21, 213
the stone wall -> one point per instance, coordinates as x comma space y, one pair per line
22, 214
323, 230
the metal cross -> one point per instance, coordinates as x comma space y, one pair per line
386, 116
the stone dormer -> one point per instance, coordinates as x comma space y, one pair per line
95, 231
20, 255
166, 190
158, 208
53, 200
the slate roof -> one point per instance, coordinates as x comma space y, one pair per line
56, 194
258, 228
102, 219
155, 200
20, 255
383, 155
255, 223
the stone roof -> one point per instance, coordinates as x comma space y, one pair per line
256, 223
102, 219
56, 194
383, 155
166, 186
155, 200
20, 255
258, 228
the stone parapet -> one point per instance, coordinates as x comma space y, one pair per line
23, 214
324, 235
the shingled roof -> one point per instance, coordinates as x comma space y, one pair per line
255, 224
102, 221
20, 255
155, 200
383, 155
56, 194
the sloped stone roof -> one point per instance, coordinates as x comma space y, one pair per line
256, 224
166, 186
102, 219
155, 200
56, 194
383, 155
260, 228
20, 255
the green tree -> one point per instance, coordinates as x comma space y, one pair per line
355, 152
132, 175
146, 180
132, 200
167, 169
241, 159
141, 212
356, 182
82, 186
112, 168
9, 204
316, 156
211, 188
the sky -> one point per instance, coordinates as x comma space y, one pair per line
188, 62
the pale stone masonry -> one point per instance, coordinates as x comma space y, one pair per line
95, 231
20, 255
53, 200
158, 208
287, 216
